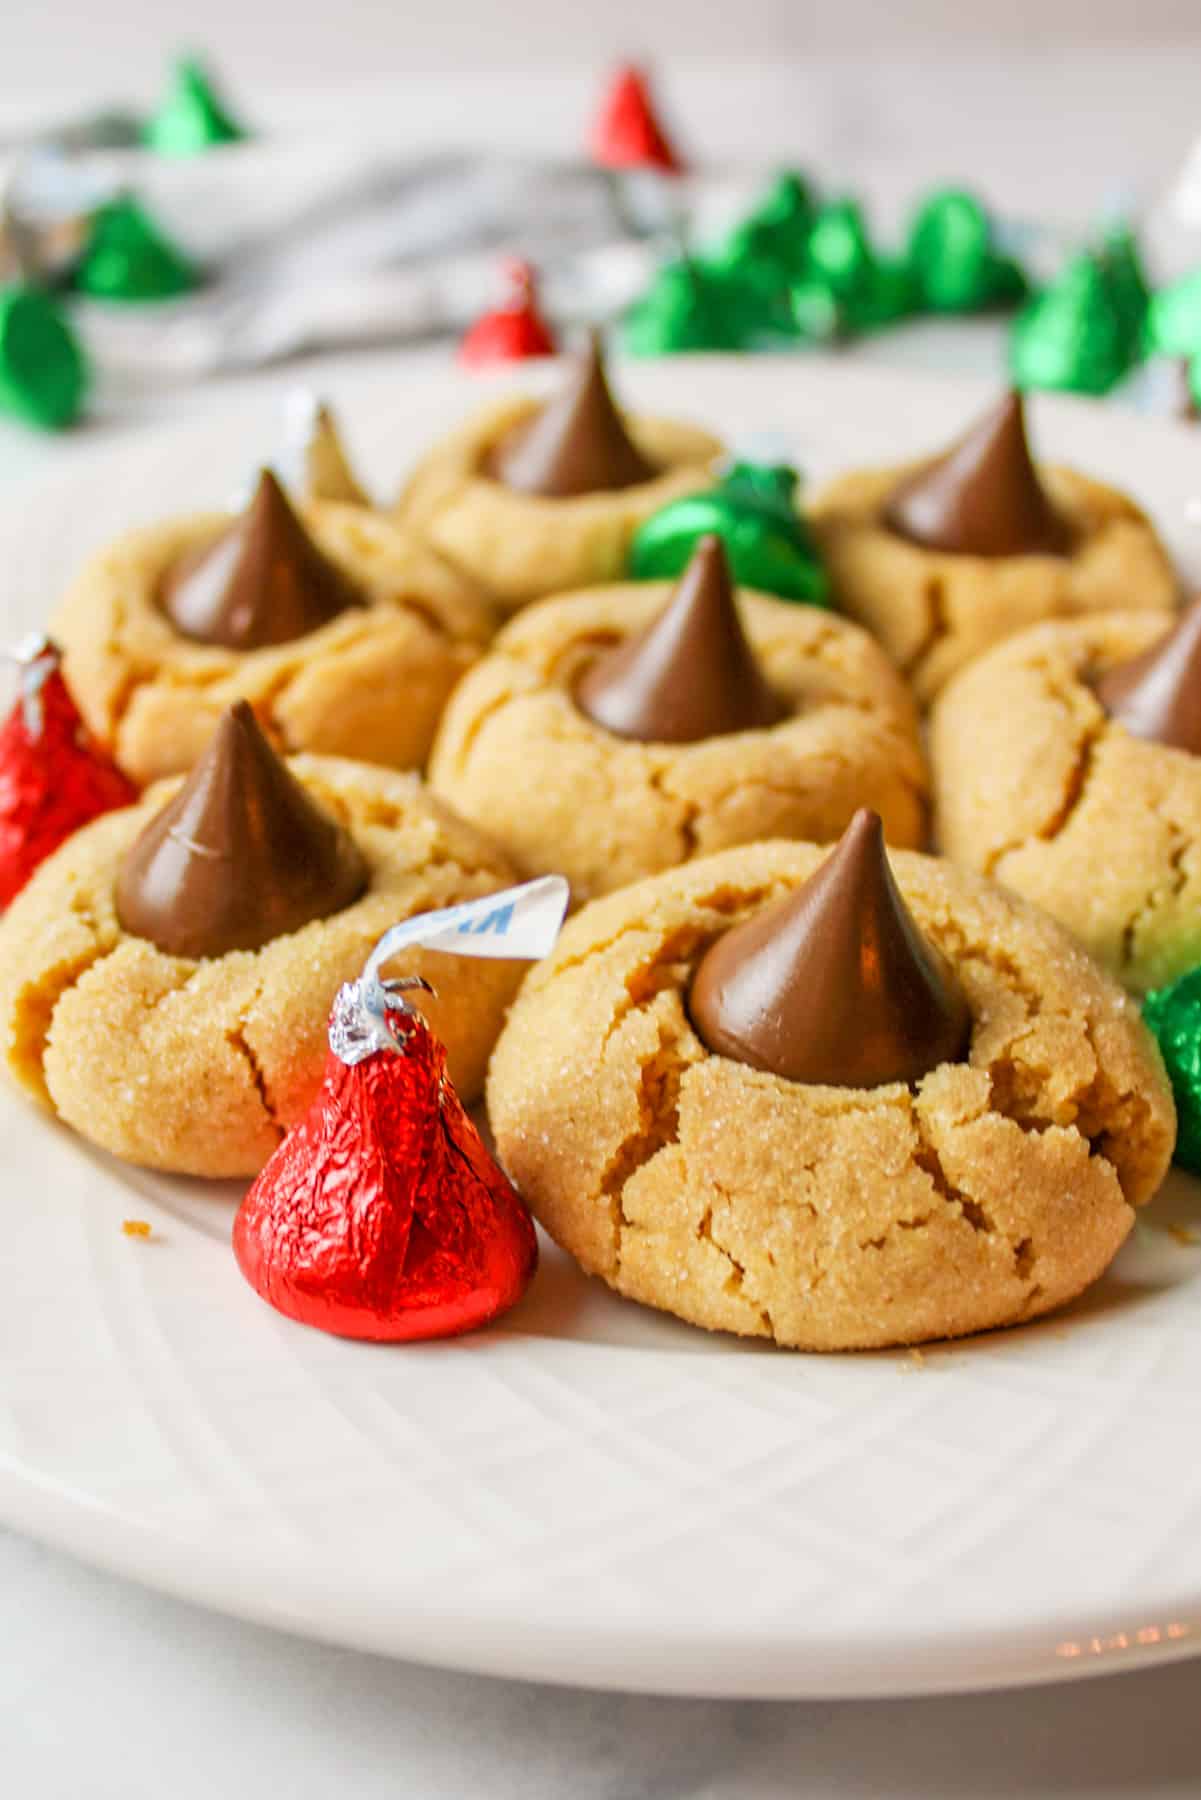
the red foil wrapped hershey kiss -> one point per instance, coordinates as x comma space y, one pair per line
513, 330
626, 133
382, 1215
54, 777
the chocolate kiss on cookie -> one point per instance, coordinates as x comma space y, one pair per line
322, 464
263, 582
576, 444
835, 984
1158, 695
983, 497
691, 674
241, 855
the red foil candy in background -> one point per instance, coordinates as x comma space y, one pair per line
54, 777
626, 134
382, 1215
513, 330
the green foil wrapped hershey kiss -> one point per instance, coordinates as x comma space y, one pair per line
1173, 322
952, 256
1072, 336
43, 371
848, 288
192, 118
840, 251
686, 307
1130, 291
128, 258
753, 510
1174, 1016
776, 232
760, 260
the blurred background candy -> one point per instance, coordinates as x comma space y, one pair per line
170, 241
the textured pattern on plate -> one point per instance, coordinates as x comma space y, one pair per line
590, 1492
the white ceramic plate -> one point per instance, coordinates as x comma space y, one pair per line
589, 1492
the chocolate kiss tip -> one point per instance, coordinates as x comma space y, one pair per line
983, 497
576, 444
239, 856
1157, 695
263, 581
833, 985
691, 674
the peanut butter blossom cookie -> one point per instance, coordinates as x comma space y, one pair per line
943, 560
341, 628
617, 732
532, 499
1067, 763
800, 1094
166, 977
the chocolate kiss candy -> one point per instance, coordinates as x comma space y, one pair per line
576, 444
834, 984
320, 459
43, 370
626, 133
1158, 695
54, 777
983, 498
382, 1215
263, 582
241, 855
691, 674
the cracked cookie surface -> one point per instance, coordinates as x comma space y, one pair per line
935, 612
371, 683
521, 547
829, 1218
560, 793
200, 1066
1036, 786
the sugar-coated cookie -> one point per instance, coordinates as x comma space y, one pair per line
986, 1191
619, 731
1043, 787
198, 1063
367, 678
531, 499
942, 560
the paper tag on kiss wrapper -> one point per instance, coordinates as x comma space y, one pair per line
521, 923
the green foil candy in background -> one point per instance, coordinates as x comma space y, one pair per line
193, 117
1129, 288
1173, 322
129, 258
43, 373
953, 260
848, 288
789, 271
1174, 1016
1072, 336
840, 251
888, 297
685, 308
818, 316
737, 296
776, 231
753, 511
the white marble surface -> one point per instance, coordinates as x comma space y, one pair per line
109, 1691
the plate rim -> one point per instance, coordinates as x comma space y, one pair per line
955, 1662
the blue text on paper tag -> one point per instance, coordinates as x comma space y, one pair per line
521, 922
